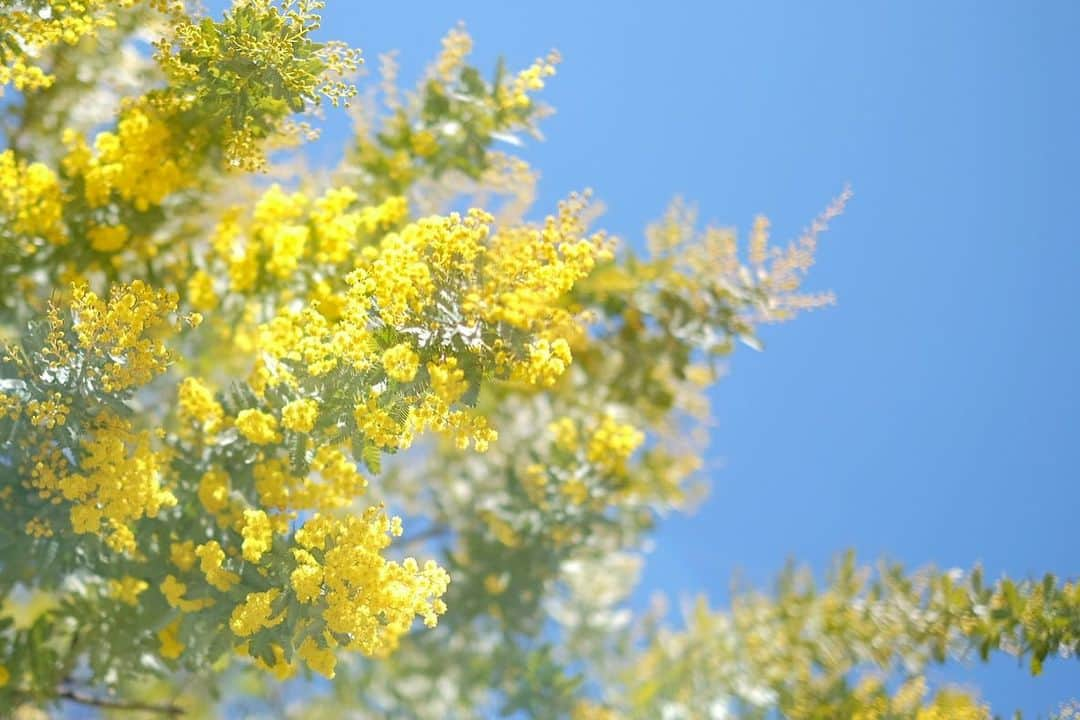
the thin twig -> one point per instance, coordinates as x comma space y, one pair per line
434, 531
93, 701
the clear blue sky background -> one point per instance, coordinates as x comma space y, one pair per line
932, 415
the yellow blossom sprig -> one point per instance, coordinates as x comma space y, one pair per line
28, 27
397, 360
452, 122
340, 595
96, 214
252, 68
335, 592
79, 458
30, 204
167, 143
290, 244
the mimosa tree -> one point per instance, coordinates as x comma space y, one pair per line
383, 423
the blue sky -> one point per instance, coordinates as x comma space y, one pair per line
932, 415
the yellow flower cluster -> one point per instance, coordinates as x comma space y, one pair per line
448, 382
587, 710
531, 79
300, 415
370, 600
258, 427
182, 554
310, 338
173, 591
142, 162
359, 600
588, 467
113, 477
289, 228
280, 667
197, 405
200, 291
213, 491
954, 706
262, 52
529, 269
397, 277
31, 201
127, 589
258, 535
283, 239
612, 443
547, 361
424, 144
108, 239
566, 434
334, 483
254, 613
401, 363
168, 636
48, 413
456, 46
10, 407
27, 32
385, 215
118, 481
37, 527
380, 427
909, 700
341, 481
307, 578
275, 485
212, 563
515, 275
456, 286
126, 332
337, 228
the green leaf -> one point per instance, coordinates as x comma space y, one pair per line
298, 455
372, 458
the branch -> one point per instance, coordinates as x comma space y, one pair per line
93, 701
434, 531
